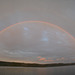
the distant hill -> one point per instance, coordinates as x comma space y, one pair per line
16, 64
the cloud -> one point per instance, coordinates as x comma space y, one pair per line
60, 59
14, 42
44, 59
39, 57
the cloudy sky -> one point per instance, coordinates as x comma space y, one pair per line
57, 12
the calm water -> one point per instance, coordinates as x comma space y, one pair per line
67, 70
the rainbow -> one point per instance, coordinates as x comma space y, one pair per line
38, 22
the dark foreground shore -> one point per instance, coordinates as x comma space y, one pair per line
15, 64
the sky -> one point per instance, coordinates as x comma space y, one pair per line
57, 12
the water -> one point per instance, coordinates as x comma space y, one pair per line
65, 70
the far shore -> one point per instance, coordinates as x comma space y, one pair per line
16, 64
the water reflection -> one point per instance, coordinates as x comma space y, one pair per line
69, 70
41, 71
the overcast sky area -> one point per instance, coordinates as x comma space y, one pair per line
43, 47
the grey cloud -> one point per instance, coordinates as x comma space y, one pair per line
14, 42
59, 12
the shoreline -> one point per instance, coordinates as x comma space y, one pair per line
34, 67
16, 64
